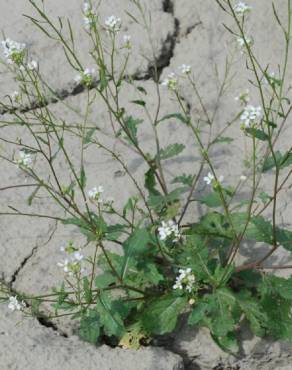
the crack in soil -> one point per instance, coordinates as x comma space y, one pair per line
191, 28
169, 45
43, 321
21, 266
73, 89
51, 232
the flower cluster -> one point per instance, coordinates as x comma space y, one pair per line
210, 179
86, 77
241, 41
15, 97
241, 9
89, 16
185, 280
170, 82
16, 305
251, 116
13, 51
185, 69
25, 159
168, 229
95, 193
72, 264
243, 98
32, 65
113, 24
95, 196
127, 42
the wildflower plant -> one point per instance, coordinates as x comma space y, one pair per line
169, 263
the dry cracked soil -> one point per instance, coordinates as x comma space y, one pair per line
183, 31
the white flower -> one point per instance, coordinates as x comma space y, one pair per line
167, 229
127, 41
251, 116
25, 159
210, 178
72, 263
32, 65
192, 301
185, 280
86, 77
185, 69
13, 51
77, 257
64, 265
15, 305
89, 16
241, 8
170, 82
241, 41
243, 178
86, 7
243, 97
113, 23
15, 96
95, 192
89, 72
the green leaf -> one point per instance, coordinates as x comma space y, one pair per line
279, 316
161, 315
150, 182
88, 136
213, 224
137, 243
212, 200
143, 275
117, 262
158, 202
178, 116
183, 179
195, 255
171, 151
130, 205
282, 161
222, 320
82, 178
259, 134
228, 343
134, 246
223, 139
85, 227
139, 102
90, 327
110, 319
87, 290
132, 124
104, 280
264, 197
279, 285
198, 313
113, 232
142, 90
253, 311
102, 75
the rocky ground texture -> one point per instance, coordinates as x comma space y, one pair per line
183, 31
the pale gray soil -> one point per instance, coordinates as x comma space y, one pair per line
183, 31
